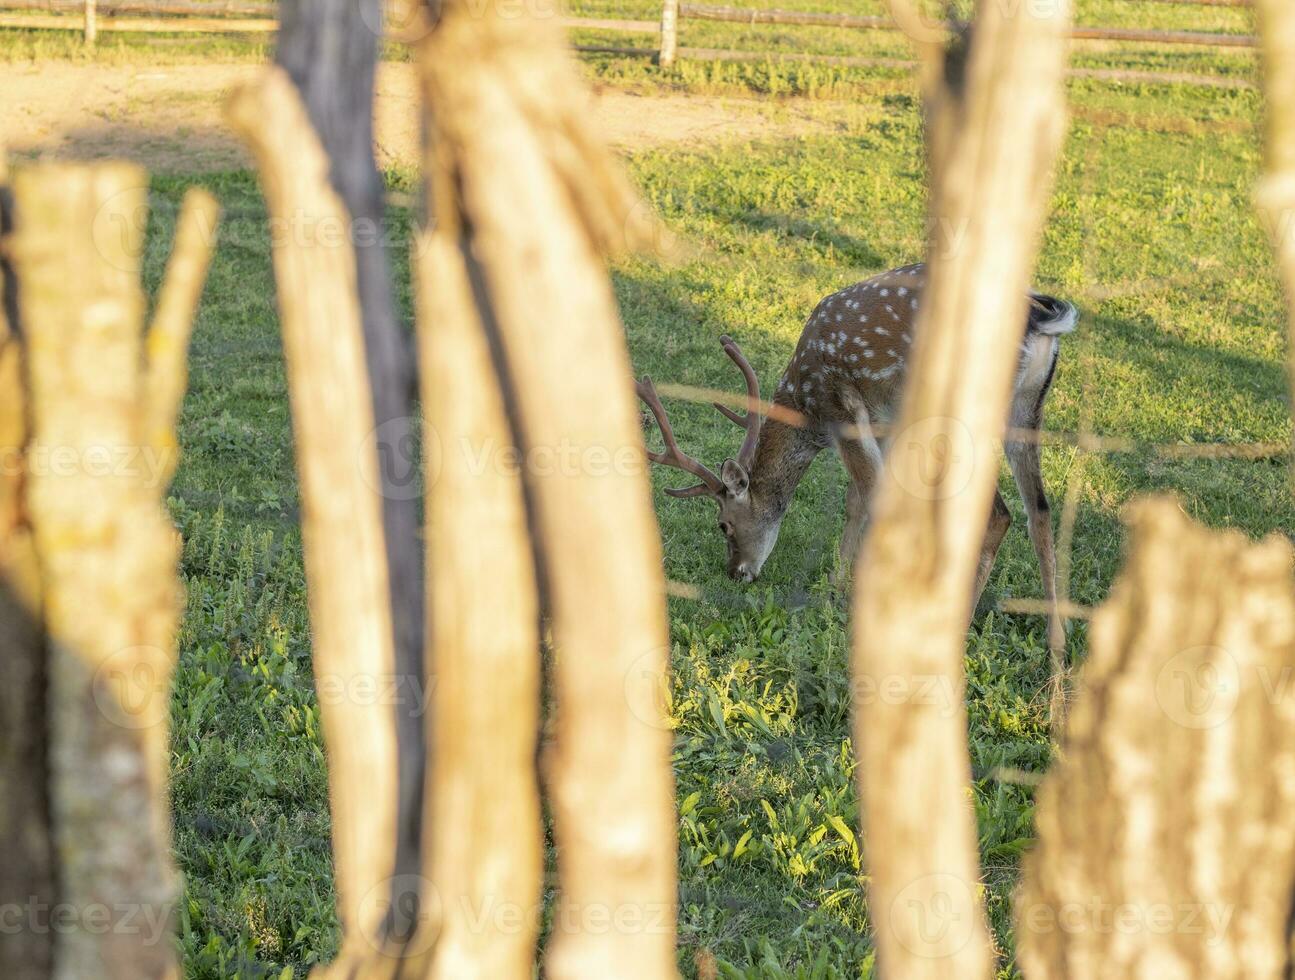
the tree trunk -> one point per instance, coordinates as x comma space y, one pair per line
995, 119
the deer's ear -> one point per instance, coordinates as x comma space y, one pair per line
735, 477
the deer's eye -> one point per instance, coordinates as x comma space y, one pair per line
727, 528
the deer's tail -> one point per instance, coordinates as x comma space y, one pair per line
1050, 316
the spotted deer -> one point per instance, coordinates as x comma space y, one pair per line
842, 389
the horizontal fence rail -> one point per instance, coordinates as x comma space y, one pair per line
142, 25
165, 8
738, 15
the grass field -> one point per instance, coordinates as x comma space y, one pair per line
1151, 232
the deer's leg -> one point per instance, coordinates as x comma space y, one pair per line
863, 461
1024, 460
1000, 519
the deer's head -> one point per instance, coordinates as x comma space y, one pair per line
749, 524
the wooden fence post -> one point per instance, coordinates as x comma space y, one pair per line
329, 49
27, 873
342, 512
1275, 194
1166, 842
91, 23
103, 402
995, 116
669, 33
536, 199
484, 844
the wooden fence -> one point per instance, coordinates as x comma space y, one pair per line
1163, 805
256, 17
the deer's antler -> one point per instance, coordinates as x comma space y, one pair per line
673, 455
751, 420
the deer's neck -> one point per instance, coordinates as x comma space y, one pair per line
782, 456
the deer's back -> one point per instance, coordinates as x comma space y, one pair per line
856, 344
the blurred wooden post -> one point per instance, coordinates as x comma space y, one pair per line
669, 33
535, 199
484, 844
27, 872
1275, 194
996, 115
342, 529
97, 469
329, 49
91, 24
1166, 836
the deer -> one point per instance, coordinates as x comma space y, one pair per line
841, 389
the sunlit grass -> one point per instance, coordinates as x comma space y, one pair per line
1150, 231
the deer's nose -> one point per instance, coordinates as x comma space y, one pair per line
744, 573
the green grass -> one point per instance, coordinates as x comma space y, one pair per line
1151, 232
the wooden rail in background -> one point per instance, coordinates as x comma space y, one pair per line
141, 25
152, 8
738, 15
108, 21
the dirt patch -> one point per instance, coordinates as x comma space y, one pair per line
169, 118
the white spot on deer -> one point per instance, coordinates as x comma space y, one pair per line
885, 292
805, 386
903, 291
854, 358
882, 332
867, 353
